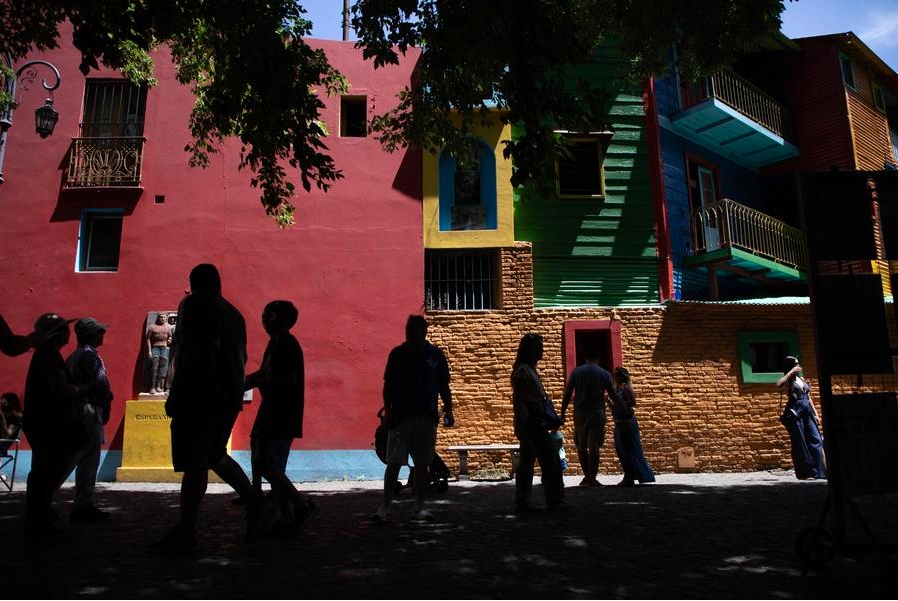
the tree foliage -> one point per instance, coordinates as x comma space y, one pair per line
514, 55
247, 62
255, 78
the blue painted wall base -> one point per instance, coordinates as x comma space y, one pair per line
303, 466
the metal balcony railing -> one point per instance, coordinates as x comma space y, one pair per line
728, 224
741, 95
105, 162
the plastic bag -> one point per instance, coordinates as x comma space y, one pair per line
558, 437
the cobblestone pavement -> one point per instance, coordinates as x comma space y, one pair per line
702, 536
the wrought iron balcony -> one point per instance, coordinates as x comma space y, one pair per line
105, 162
748, 236
732, 115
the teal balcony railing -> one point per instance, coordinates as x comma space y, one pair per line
728, 224
743, 96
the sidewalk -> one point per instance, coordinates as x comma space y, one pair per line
703, 536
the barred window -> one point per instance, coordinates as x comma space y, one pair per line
113, 108
460, 280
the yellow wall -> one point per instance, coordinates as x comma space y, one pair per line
503, 235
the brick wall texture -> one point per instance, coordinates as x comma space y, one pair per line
683, 359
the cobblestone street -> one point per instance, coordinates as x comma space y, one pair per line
704, 536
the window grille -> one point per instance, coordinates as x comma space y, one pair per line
113, 109
109, 150
459, 280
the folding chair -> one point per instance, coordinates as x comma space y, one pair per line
9, 453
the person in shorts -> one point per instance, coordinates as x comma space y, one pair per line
417, 373
281, 382
588, 386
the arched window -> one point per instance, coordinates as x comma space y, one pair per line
468, 188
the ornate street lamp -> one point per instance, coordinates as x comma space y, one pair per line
45, 117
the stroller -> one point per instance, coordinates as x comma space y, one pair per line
438, 470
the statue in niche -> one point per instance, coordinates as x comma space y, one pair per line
158, 339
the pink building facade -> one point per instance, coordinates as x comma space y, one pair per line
80, 242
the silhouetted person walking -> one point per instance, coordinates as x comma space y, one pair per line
587, 386
85, 366
416, 374
528, 396
51, 423
205, 399
627, 440
281, 381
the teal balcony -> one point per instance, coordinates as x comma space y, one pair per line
731, 116
734, 241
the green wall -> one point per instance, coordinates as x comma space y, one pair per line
598, 252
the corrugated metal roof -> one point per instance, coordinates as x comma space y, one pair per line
779, 300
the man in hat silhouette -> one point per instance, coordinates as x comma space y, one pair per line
85, 366
50, 423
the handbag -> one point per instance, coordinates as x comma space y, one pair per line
380, 436
788, 416
548, 418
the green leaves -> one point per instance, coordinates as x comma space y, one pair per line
518, 59
256, 79
253, 75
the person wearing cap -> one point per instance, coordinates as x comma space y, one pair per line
85, 366
808, 458
50, 423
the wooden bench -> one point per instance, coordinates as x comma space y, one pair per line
464, 449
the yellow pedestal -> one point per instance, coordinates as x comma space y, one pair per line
146, 448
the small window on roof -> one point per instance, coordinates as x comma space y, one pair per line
847, 70
879, 98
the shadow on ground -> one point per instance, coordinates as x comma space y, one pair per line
654, 541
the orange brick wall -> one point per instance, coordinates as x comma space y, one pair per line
683, 358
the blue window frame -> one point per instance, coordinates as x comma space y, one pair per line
99, 240
468, 189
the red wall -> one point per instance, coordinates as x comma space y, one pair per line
352, 263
